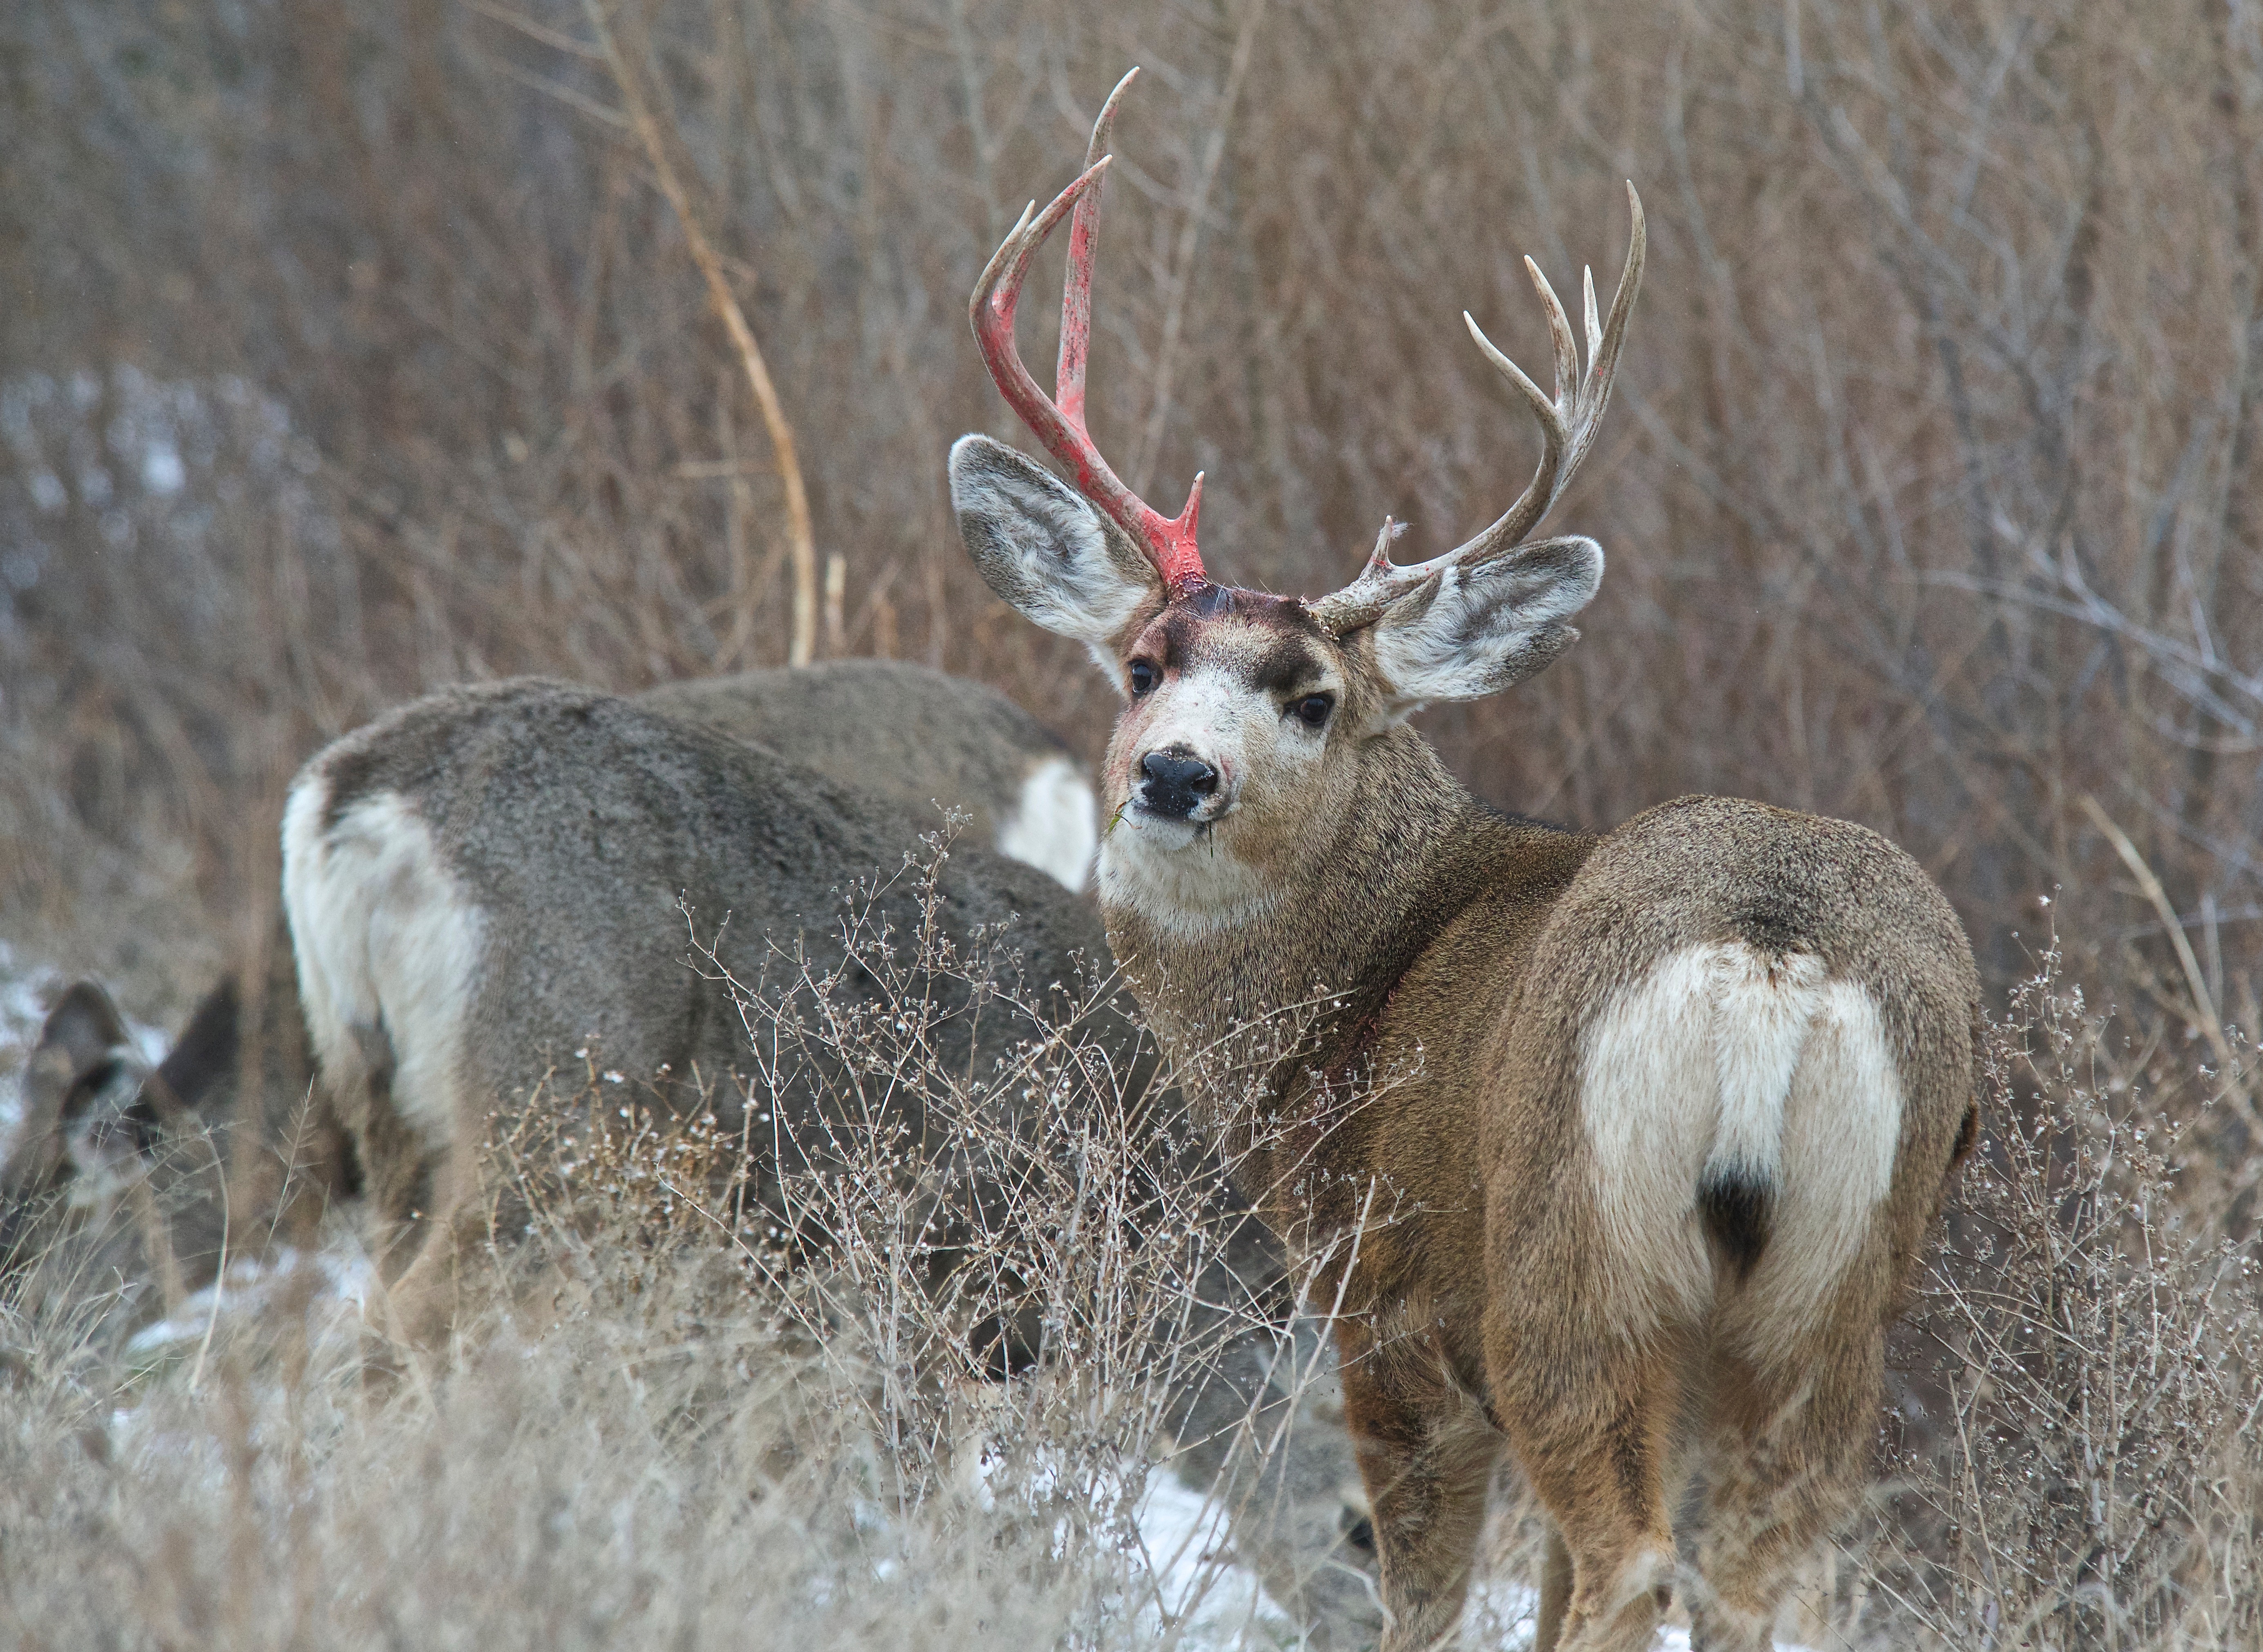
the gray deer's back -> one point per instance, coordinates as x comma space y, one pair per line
597, 839
918, 737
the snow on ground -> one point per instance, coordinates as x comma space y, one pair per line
1220, 1606
250, 1286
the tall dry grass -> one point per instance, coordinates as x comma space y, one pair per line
904, 1371
915, 1384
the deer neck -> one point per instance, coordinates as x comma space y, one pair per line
1319, 940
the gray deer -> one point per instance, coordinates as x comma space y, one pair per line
481, 880
98, 1120
234, 1088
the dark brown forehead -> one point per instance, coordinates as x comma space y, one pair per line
1270, 640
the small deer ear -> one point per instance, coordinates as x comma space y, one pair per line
81, 1028
201, 1073
1042, 546
1471, 631
82, 1061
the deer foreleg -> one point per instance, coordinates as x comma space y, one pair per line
1427, 1455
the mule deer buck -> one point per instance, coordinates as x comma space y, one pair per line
1673, 1108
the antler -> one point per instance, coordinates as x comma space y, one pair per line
1568, 422
1058, 421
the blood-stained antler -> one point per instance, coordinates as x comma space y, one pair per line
1568, 422
1058, 421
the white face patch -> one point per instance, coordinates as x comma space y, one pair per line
1195, 875
1193, 889
105, 1158
387, 947
1054, 824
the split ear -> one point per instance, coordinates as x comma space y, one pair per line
1042, 546
1471, 631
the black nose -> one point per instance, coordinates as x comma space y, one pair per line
1176, 781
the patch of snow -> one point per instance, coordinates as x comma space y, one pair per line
1495, 1603
23, 988
1216, 1603
1498, 1607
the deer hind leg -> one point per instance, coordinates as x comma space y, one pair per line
1786, 1448
388, 947
417, 1308
1427, 1454
1600, 1453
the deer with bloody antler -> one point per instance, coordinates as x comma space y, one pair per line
1673, 1108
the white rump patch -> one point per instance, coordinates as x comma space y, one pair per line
1761, 1009
1724, 1058
1842, 1131
1054, 824
387, 947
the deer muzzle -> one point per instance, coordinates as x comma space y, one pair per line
1176, 784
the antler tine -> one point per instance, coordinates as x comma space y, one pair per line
1380, 557
1167, 542
1587, 299
1603, 353
1569, 421
1560, 335
1555, 434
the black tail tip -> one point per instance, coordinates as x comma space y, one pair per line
1736, 1205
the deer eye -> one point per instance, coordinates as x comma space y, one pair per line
1312, 710
1144, 676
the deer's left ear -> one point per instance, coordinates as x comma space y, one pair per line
1471, 631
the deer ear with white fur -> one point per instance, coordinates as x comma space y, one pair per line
1468, 632
1041, 547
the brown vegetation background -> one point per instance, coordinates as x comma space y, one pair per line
1930, 493
349, 348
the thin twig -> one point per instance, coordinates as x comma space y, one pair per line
800, 539
219, 1278
1151, 440
2211, 1024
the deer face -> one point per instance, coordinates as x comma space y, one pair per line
1220, 763
1247, 716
